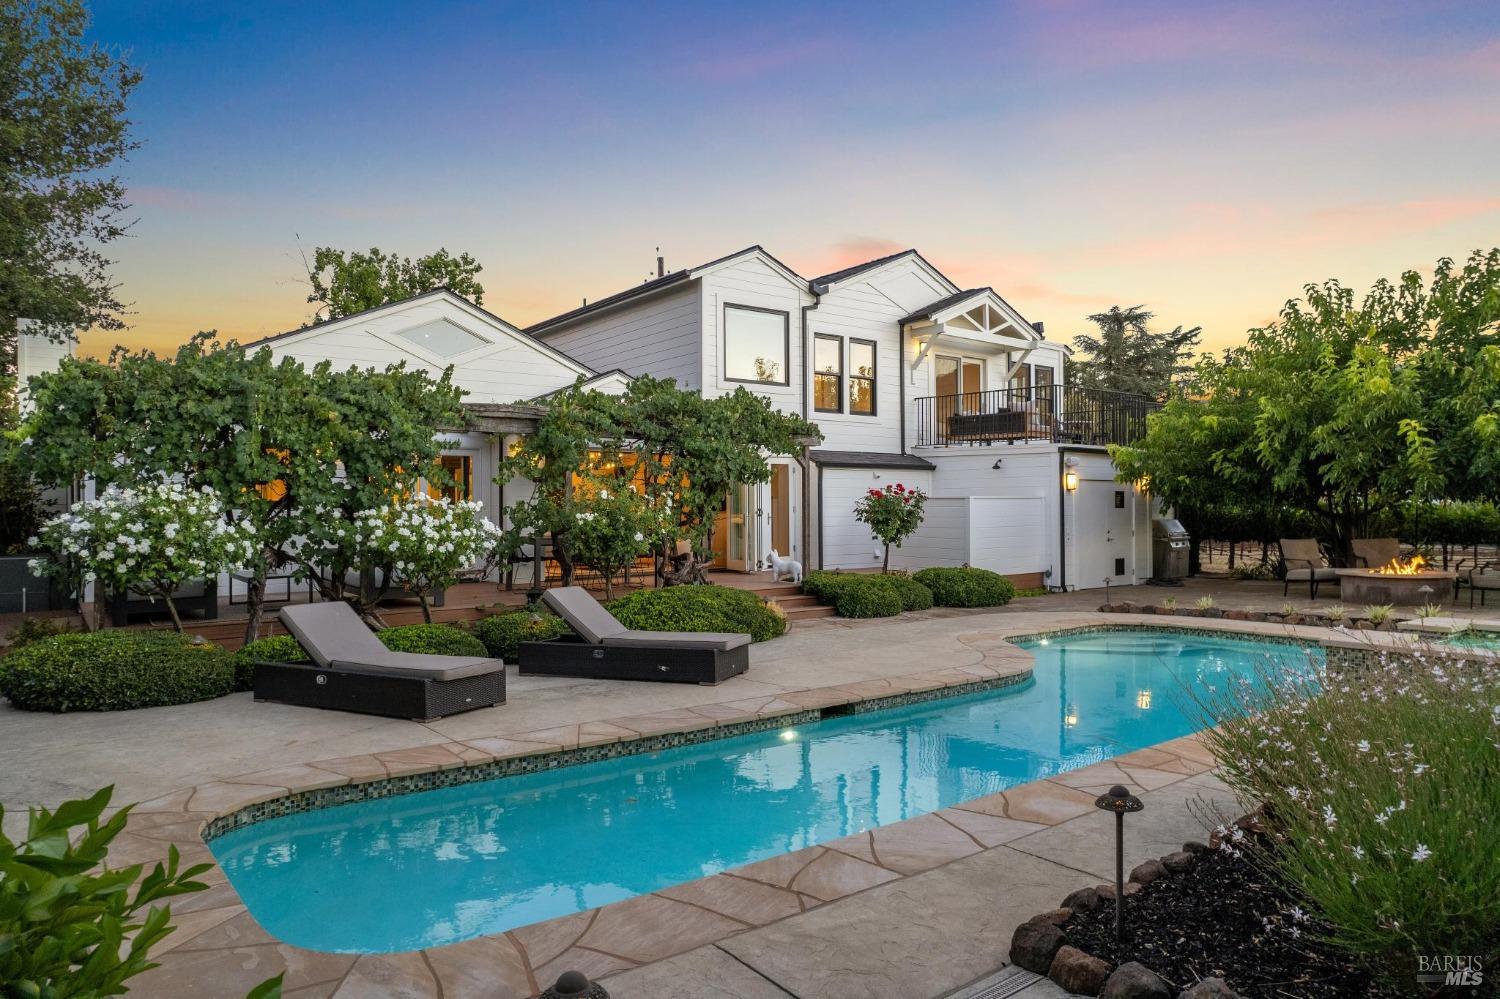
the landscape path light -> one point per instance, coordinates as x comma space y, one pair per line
575, 985
1119, 801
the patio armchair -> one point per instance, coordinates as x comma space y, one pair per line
602, 648
352, 670
1372, 553
1302, 559
1479, 578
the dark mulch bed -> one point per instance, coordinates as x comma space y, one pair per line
1224, 918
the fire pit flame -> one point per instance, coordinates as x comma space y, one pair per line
1413, 566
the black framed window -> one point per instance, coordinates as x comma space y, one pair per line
756, 345
862, 377
828, 373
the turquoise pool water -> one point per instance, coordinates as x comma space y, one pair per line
1474, 640
444, 865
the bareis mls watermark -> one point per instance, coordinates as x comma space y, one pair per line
1450, 969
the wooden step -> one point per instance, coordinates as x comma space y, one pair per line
809, 613
792, 600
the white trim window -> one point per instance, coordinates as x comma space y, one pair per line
757, 345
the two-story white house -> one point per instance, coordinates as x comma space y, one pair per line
912, 380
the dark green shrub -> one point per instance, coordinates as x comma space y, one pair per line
503, 634
914, 596
34, 629
700, 608
966, 587
276, 649
433, 640
870, 596
114, 671
826, 585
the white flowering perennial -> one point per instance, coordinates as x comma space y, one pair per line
149, 539
423, 542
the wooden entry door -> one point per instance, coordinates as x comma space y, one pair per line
781, 510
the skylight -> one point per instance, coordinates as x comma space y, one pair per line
443, 338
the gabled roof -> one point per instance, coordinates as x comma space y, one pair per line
457, 299
849, 272
659, 284
928, 311
589, 382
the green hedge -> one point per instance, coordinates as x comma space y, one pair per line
700, 608
276, 649
432, 639
858, 594
114, 671
503, 634
966, 587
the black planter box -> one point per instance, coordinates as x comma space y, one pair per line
201, 598
309, 685
577, 658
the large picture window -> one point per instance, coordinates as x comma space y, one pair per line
828, 373
755, 345
862, 377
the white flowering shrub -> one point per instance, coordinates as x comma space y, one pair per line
614, 526
420, 543
1381, 786
151, 539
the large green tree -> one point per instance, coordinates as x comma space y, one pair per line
1345, 409
288, 448
62, 128
1127, 356
347, 282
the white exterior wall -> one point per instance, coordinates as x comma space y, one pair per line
36, 355
660, 336
753, 282
845, 542
510, 368
1096, 532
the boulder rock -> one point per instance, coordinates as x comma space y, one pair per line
1148, 871
1209, 988
1056, 917
1082, 900
1236, 615
1178, 863
1034, 945
1107, 892
1134, 981
1194, 847
1078, 972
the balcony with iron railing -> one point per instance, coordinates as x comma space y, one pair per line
1039, 413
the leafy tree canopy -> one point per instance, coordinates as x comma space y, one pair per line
1346, 409
1126, 356
346, 283
64, 128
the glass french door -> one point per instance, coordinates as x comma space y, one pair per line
739, 529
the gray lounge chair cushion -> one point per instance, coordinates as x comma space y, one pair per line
712, 641
335, 638
1322, 574
586, 615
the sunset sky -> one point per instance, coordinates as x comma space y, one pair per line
1204, 159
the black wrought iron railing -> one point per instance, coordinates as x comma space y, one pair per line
1040, 413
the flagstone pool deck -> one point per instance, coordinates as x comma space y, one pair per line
913, 909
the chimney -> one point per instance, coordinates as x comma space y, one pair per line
1040, 327
661, 264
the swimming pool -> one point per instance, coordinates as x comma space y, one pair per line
439, 866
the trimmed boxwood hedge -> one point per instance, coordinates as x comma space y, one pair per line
114, 671
966, 587
700, 608
503, 634
432, 639
858, 594
276, 649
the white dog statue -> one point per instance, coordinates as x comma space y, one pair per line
781, 567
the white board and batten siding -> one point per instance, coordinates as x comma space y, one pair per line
36, 355
1005, 534
657, 336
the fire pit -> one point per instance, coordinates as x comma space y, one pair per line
1397, 582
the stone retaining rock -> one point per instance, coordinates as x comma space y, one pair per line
1083, 900
1194, 847
1134, 981
1034, 945
1056, 917
1078, 972
1177, 863
1209, 988
1147, 872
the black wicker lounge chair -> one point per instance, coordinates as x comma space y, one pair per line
606, 649
350, 670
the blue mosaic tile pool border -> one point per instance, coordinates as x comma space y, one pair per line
344, 794
1091, 629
